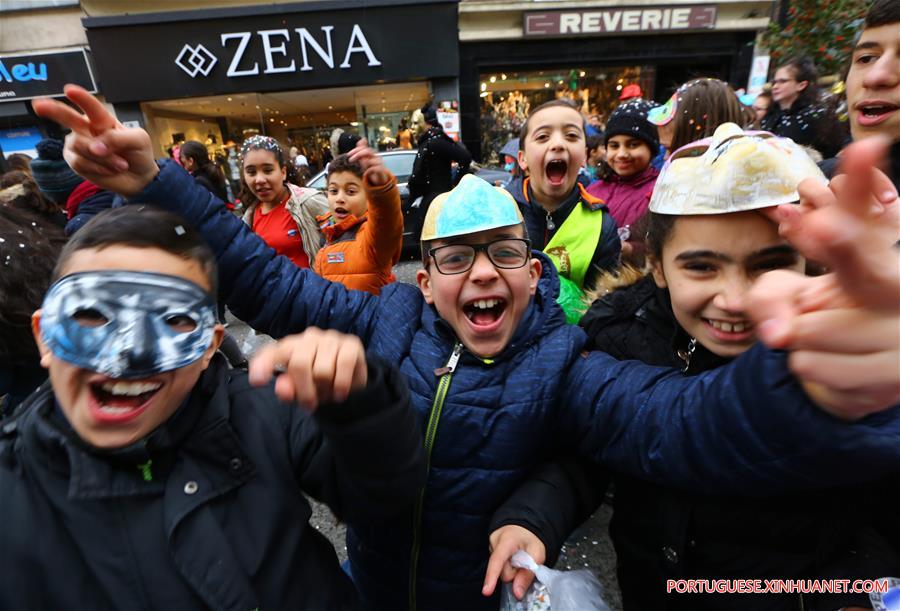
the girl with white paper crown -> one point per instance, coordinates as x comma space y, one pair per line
710, 235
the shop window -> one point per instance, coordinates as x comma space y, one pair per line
508, 97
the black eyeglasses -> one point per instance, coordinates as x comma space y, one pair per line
506, 253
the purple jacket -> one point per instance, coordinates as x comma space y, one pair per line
626, 198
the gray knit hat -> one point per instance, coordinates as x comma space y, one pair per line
52, 174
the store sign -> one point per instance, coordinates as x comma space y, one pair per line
282, 50
615, 20
200, 60
32, 75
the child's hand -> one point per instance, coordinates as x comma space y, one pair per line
315, 367
863, 183
506, 541
372, 164
842, 328
99, 148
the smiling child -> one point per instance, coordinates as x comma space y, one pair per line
364, 228
152, 475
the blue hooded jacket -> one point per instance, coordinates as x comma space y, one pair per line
746, 426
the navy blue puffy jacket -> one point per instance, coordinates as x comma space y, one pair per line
746, 426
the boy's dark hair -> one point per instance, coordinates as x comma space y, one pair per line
29, 247
563, 102
142, 227
342, 163
593, 142
883, 12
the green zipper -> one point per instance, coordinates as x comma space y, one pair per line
434, 417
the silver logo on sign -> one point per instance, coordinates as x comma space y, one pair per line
195, 60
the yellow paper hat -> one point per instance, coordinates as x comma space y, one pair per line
472, 206
734, 171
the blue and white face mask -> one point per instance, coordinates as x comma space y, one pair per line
127, 324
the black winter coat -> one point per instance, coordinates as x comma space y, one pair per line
432, 169
809, 124
218, 519
217, 189
661, 533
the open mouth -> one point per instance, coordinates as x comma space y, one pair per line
875, 112
340, 212
556, 171
731, 330
117, 400
485, 312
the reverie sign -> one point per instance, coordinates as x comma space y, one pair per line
32, 75
610, 20
272, 52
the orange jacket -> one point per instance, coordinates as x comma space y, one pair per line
361, 252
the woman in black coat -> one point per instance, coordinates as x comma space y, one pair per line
432, 170
195, 159
797, 113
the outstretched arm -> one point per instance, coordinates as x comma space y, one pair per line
267, 291
745, 428
824, 413
384, 214
842, 328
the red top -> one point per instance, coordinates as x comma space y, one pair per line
278, 229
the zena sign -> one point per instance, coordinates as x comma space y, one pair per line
277, 58
614, 20
279, 47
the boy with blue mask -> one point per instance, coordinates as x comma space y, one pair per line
496, 374
151, 475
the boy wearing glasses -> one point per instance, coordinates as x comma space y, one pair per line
496, 375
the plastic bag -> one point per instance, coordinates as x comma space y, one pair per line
888, 600
554, 590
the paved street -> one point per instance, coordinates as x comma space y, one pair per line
589, 547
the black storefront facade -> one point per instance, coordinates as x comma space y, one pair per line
659, 60
278, 69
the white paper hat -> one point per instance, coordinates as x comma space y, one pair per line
734, 171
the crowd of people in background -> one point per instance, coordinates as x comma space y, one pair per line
602, 321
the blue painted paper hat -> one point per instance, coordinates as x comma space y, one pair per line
472, 206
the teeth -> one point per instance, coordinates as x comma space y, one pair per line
109, 409
485, 304
130, 389
737, 327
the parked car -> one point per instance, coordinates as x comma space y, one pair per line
400, 163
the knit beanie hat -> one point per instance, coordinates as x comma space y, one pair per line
52, 174
347, 142
630, 118
429, 114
